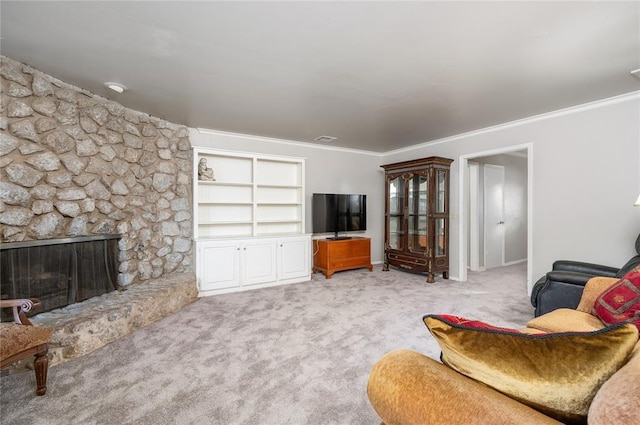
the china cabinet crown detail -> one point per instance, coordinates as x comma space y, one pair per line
416, 235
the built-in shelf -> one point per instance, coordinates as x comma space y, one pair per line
217, 183
223, 223
224, 203
280, 186
259, 190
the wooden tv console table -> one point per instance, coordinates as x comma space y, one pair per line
342, 254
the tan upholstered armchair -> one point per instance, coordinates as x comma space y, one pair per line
20, 340
408, 388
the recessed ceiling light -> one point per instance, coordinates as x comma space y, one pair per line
325, 139
636, 73
116, 87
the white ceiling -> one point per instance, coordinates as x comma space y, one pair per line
377, 75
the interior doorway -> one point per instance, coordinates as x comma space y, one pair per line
494, 227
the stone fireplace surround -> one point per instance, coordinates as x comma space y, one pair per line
75, 164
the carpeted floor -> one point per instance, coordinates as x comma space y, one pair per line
296, 354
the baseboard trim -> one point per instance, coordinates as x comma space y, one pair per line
511, 263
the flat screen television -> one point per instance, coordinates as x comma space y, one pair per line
335, 213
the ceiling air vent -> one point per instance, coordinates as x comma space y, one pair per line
325, 139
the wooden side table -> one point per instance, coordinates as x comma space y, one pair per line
345, 254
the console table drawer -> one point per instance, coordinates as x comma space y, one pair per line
349, 263
407, 259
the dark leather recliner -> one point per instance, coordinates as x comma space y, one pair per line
562, 287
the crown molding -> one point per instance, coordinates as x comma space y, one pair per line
285, 142
547, 115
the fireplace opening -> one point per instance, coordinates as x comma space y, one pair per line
59, 272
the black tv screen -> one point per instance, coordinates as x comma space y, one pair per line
334, 213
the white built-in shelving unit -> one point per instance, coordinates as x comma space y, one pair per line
246, 220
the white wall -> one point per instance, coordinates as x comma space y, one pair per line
585, 176
328, 170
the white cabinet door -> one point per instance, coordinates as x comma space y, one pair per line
218, 264
294, 257
258, 261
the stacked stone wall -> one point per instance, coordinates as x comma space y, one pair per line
73, 164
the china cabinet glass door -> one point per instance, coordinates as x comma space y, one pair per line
441, 208
417, 217
396, 213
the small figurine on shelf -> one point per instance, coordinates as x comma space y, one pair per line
204, 173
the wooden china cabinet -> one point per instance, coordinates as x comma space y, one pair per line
416, 229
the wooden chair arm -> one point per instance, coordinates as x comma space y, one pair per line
20, 307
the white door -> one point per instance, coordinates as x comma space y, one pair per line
493, 216
259, 261
218, 264
294, 257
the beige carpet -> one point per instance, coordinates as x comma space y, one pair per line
295, 354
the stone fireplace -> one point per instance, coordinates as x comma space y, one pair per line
75, 170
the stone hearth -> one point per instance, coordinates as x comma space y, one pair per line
80, 328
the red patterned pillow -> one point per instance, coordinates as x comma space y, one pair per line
473, 324
621, 301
